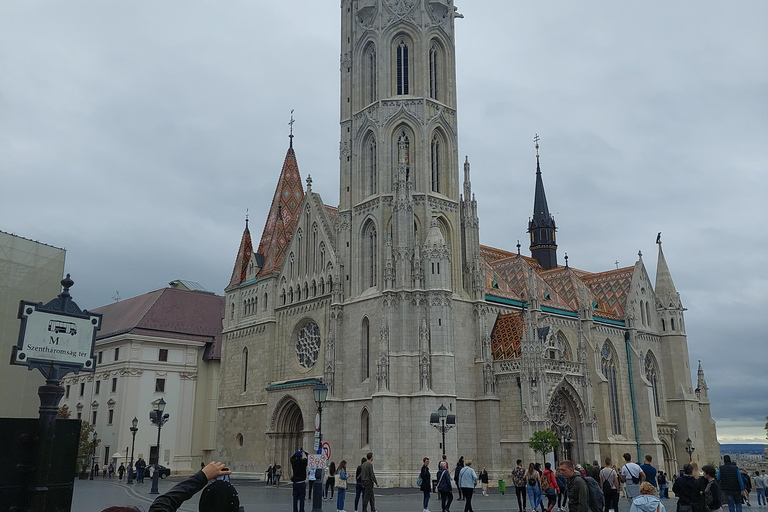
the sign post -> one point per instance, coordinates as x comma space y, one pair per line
56, 338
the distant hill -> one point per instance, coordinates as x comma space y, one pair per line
757, 449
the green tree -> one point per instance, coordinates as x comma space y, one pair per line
543, 442
87, 446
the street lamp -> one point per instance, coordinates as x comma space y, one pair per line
157, 417
443, 422
320, 392
93, 457
565, 438
690, 449
134, 429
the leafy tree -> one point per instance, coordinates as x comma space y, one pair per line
87, 446
543, 442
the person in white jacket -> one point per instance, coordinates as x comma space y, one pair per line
647, 501
467, 483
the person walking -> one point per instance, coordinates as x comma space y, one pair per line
518, 479
731, 484
459, 466
111, 470
341, 485
662, 479
747, 486
609, 483
712, 490
578, 491
760, 489
120, 471
649, 471
444, 486
278, 475
468, 481
311, 479
688, 491
532, 486
425, 483
269, 474
549, 486
358, 483
647, 500
299, 466
330, 481
484, 481
369, 480
562, 491
632, 475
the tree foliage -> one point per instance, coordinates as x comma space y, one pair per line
87, 446
543, 442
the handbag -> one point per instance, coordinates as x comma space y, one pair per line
340, 482
419, 481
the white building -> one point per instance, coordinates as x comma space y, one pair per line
163, 344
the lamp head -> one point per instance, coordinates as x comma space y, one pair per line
450, 419
688, 443
434, 418
161, 405
442, 411
135, 422
320, 392
95, 435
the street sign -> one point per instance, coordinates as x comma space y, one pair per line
327, 450
316, 461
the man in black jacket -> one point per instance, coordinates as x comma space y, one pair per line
731, 484
299, 465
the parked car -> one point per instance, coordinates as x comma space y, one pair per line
164, 471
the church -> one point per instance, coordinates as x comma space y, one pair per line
391, 301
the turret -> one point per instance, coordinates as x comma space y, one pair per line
542, 225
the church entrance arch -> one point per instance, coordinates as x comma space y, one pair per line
566, 425
669, 461
288, 432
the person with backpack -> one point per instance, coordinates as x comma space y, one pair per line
459, 465
731, 483
633, 475
549, 486
533, 487
518, 479
359, 483
609, 483
647, 500
468, 481
425, 483
484, 481
578, 491
688, 490
444, 488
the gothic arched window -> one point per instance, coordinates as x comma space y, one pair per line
365, 429
371, 170
434, 54
404, 154
366, 350
290, 295
322, 255
255, 306
436, 163
370, 255
290, 265
265, 301
245, 369
648, 314
402, 68
672, 324
314, 248
609, 366
314, 288
370, 58
642, 313
651, 375
282, 297
663, 325
322, 286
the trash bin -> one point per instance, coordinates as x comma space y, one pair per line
502, 487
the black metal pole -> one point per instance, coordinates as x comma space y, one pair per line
443, 431
93, 458
133, 444
317, 492
156, 474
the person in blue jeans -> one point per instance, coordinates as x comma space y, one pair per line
341, 484
299, 464
532, 485
426, 483
358, 483
731, 483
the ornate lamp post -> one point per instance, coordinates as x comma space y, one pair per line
443, 422
320, 393
157, 417
93, 457
134, 429
690, 449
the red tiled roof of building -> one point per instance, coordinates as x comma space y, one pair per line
332, 212
507, 336
283, 216
243, 257
611, 289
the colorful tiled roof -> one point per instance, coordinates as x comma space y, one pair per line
491, 254
283, 216
332, 212
567, 285
243, 258
611, 289
507, 336
517, 272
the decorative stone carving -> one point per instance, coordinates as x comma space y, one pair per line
308, 345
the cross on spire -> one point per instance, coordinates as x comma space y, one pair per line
536, 140
617, 264
290, 123
246, 217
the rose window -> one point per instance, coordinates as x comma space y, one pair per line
308, 345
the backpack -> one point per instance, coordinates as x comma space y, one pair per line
544, 481
596, 496
532, 481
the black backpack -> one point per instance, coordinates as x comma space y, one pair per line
596, 496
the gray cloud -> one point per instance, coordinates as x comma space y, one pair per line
137, 135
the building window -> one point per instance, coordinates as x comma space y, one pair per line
648, 314
232, 312
322, 286
265, 301
651, 373
402, 68
110, 416
66, 391
255, 307
370, 253
245, 369
365, 429
93, 417
663, 325
82, 388
106, 455
435, 163
371, 165
162, 355
101, 355
159, 385
371, 64
79, 415
114, 384
117, 354
282, 297
98, 387
433, 72
609, 368
642, 313
672, 324
290, 295
366, 350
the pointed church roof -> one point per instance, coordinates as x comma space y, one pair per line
283, 216
243, 258
665, 289
541, 216
507, 336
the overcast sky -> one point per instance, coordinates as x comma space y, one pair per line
136, 134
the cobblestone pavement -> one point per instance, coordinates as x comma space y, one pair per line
96, 495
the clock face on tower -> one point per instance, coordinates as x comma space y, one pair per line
308, 345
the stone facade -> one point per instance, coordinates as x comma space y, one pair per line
391, 301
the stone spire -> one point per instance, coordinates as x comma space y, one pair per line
665, 290
702, 390
542, 225
243, 258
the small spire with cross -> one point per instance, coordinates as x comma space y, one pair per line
309, 183
566, 260
536, 140
290, 123
518, 247
617, 264
246, 218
